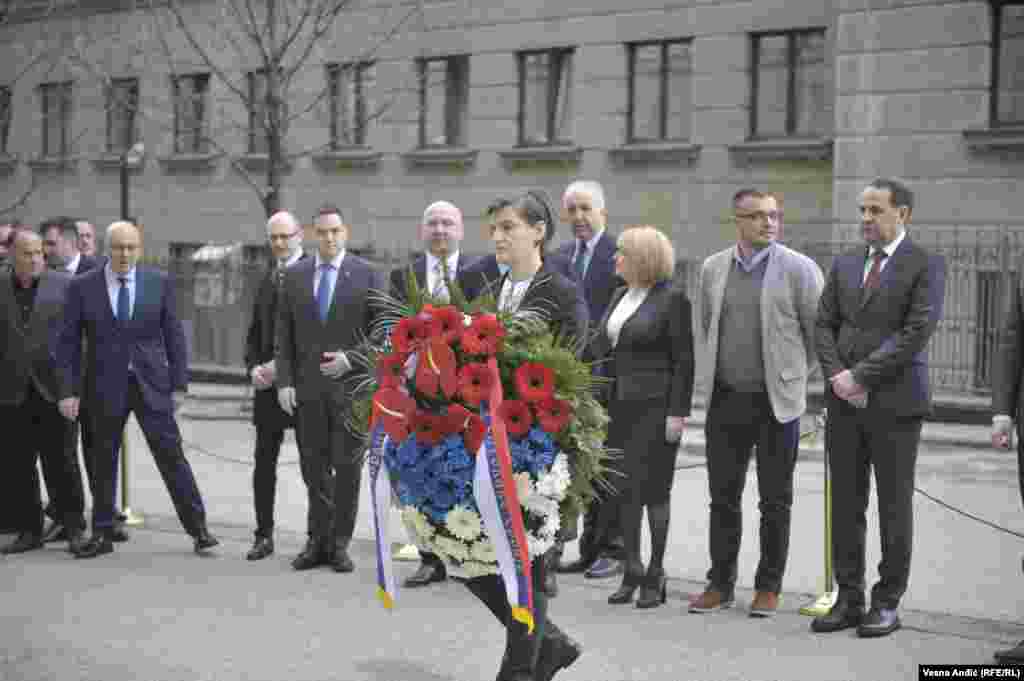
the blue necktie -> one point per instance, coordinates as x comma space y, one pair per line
123, 303
323, 292
580, 264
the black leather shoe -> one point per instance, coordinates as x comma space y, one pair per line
557, 651
118, 533
578, 565
625, 592
653, 590
261, 548
26, 541
204, 541
76, 540
843, 615
426, 573
98, 545
310, 557
341, 562
879, 622
1012, 655
57, 531
604, 568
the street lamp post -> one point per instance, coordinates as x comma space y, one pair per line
129, 156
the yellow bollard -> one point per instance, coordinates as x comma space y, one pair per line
827, 599
131, 518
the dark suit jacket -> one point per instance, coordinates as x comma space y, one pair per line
600, 280
883, 338
654, 356
1008, 372
302, 338
419, 268
152, 342
482, 276
259, 349
27, 355
87, 263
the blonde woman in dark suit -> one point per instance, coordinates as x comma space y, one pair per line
647, 339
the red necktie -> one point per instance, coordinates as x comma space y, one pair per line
875, 275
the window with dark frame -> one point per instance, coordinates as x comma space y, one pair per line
259, 131
659, 91
444, 101
1007, 88
545, 105
6, 109
789, 81
122, 106
348, 87
191, 93
56, 99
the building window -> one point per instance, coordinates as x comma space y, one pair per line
56, 99
6, 102
545, 84
659, 91
190, 113
348, 87
1007, 94
788, 85
444, 101
122, 105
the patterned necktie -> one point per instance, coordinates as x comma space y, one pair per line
875, 275
123, 303
580, 265
324, 292
440, 290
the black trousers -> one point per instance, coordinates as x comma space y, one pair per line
264, 475
738, 423
859, 440
36, 431
332, 467
522, 648
164, 440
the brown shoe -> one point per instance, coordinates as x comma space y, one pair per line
765, 604
710, 601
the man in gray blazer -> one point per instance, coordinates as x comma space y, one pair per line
31, 314
325, 310
757, 306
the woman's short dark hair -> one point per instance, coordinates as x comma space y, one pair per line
532, 206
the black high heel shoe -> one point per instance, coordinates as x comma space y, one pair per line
630, 583
654, 591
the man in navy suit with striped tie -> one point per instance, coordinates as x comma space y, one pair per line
136, 351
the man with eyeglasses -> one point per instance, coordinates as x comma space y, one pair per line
757, 306
285, 236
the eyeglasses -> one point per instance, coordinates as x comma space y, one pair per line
282, 237
772, 215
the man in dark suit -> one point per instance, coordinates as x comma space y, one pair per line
31, 314
441, 231
285, 235
324, 312
61, 247
880, 306
136, 349
590, 260
1008, 404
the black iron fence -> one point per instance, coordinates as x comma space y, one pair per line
215, 296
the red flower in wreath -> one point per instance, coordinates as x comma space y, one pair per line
475, 383
447, 324
517, 417
410, 333
485, 336
391, 370
553, 415
535, 382
429, 428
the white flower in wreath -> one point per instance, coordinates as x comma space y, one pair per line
555, 481
540, 505
475, 569
484, 552
452, 548
538, 546
463, 523
552, 523
419, 523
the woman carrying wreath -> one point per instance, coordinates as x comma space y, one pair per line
647, 341
520, 230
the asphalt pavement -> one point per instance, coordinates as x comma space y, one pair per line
153, 611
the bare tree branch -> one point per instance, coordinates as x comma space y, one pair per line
25, 196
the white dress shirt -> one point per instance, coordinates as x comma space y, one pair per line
889, 249
512, 293
114, 285
626, 307
72, 265
435, 273
336, 262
